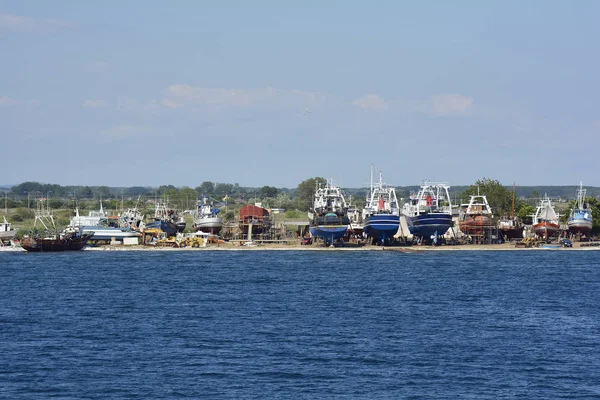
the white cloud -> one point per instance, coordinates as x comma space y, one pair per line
177, 96
94, 103
450, 104
6, 101
371, 101
16, 23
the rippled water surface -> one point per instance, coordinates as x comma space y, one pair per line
300, 324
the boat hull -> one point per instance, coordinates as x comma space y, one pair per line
475, 224
545, 229
106, 233
513, 232
208, 225
428, 225
329, 233
167, 227
381, 227
580, 224
7, 235
68, 243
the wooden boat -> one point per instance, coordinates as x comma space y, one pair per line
476, 216
545, 219
58, 242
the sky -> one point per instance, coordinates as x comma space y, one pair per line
149, 93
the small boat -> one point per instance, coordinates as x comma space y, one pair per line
329, 214
6, 232
11, 247
545, 219
206, 218
580, 220
381, 214
476, 216
429, 212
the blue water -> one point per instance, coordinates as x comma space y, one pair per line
254, 324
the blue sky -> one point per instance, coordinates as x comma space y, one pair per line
128, 93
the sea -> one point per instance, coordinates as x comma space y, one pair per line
300, 325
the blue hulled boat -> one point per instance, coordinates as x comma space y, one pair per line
429, 212
329, 214
381, 215
164, 219
580, 220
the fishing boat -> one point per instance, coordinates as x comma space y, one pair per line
429, 212
98, 225
381, 214
355, 227
164, 219
131, 218
206, 218
62, 241
50, 239
580, 218
545, 219
6, 231
328, 215
510, 226
476, 216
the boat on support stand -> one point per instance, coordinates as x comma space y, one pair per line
429, 212
381, 214
476, 216
164, 219
329, 214
206, 218
545, 219
580, 220
6, 231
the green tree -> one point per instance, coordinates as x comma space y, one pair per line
268, 191
498, 196
305, 192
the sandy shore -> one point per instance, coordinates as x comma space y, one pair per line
298, 247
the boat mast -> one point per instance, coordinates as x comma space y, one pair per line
512, 210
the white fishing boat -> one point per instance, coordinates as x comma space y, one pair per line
381, 214
580, 220
206, 218
96, 223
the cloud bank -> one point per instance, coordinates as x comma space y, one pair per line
21, 24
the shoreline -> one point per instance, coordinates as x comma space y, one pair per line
298, 247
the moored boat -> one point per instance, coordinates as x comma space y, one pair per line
580, 219
429, 212
206, 218
545, 219
329, 214
381, 214
55, 242
475, 216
